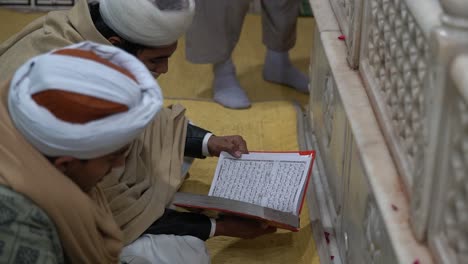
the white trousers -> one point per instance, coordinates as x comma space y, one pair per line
217, 25
166, 249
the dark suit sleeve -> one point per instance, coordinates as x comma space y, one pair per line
194, 141
181, 224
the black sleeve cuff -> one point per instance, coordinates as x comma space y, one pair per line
194, 141
181, 224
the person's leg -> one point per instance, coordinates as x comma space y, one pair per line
211, 39
279, 19
167, 249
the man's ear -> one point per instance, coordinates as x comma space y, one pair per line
114, 40
62, 163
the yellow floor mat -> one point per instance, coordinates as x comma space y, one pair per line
265, 126
13, 21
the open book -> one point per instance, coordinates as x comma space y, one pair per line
269, 186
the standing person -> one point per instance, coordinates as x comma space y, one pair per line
67, 118
215, 32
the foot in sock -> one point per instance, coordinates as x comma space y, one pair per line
279, 69
226, 88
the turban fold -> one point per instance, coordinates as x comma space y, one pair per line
84, 101
142, 22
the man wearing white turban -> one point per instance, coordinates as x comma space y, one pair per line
67, 118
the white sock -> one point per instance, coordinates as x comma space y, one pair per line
226, 88
279, 69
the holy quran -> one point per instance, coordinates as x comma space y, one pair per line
268, 186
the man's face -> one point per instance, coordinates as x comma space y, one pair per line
86, 174
156, 59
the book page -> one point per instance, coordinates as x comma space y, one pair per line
273, 180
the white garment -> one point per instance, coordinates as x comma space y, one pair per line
142, 22
168, 249
55, 137
205, 151
217, 26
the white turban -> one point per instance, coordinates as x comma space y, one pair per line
142, 22
54, 137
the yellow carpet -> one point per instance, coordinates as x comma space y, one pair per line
266, 126
13, 21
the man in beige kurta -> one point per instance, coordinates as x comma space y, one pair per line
61, 132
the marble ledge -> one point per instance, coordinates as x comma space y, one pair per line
382, 175
324, 16
320, 215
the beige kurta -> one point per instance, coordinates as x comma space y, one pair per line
152, 174
88, 233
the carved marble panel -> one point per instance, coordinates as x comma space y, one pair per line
355, 207
349, 16
378, 246
447, 42
365, 235
448, 233
321, 94
394, 60
373, 232
329, 123
328, 109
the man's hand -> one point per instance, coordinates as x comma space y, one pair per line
234, 145
241, 227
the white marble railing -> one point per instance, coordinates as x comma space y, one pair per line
366, 208
392, 136
394, 63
